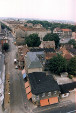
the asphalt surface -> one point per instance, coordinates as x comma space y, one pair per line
16, 86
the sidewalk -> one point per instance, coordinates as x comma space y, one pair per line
7, 93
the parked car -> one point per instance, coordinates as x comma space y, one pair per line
16, 67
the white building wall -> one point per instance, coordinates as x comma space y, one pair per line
2, 81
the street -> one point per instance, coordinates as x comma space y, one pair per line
16, 94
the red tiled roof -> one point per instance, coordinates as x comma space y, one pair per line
68, 56
66, 30
50, 55
32, 29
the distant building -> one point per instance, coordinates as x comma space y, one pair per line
0, 27
42, 89
74, 36
3, 40
2, 77
37, 26
58, 31
65, 53
63, 33
47, 44
26, 31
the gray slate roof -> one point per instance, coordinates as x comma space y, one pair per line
32, 59
40, 83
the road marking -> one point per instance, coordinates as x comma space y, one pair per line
71, 111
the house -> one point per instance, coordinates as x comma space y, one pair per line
29, 24
66, 33
73, 35
22, 31
47, 44
37, 26
3, 40
46, 50
66, 88
63, 33
42, 89
34, 61
65, 53
22, 51
0, 27
58, 31
2, 77
72, 51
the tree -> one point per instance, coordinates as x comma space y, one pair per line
71, 67
58, 64
32, 40
72, 42
51, 37
5, 46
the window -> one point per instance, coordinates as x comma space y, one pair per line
43, 95
49, 94
55, 92
0, 94
37, 97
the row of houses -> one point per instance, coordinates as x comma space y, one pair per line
2, 77
42, 88
3, 40
21, 31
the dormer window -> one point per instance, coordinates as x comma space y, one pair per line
55, 92
49, 93
37, 97
43, 95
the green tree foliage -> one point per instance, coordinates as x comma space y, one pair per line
3, 26
25, 25
72, 42
51, 37
32, 40
51, 26
5, 46
71, 67
58, 64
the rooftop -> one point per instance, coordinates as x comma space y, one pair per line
40, 83
66, 30
32, 59
42, 49
65, 88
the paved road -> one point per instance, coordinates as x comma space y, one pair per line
16, 94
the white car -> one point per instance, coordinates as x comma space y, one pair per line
16, 67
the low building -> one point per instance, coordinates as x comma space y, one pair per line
2, 78
74, 35
3, 40
42, 89
67, 88
34, 61
22, 51
58, 31
63, 33
21, 31
47, 44
72, 51
65, 53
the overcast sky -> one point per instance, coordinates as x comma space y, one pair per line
42, 9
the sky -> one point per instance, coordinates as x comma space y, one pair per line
39, 9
